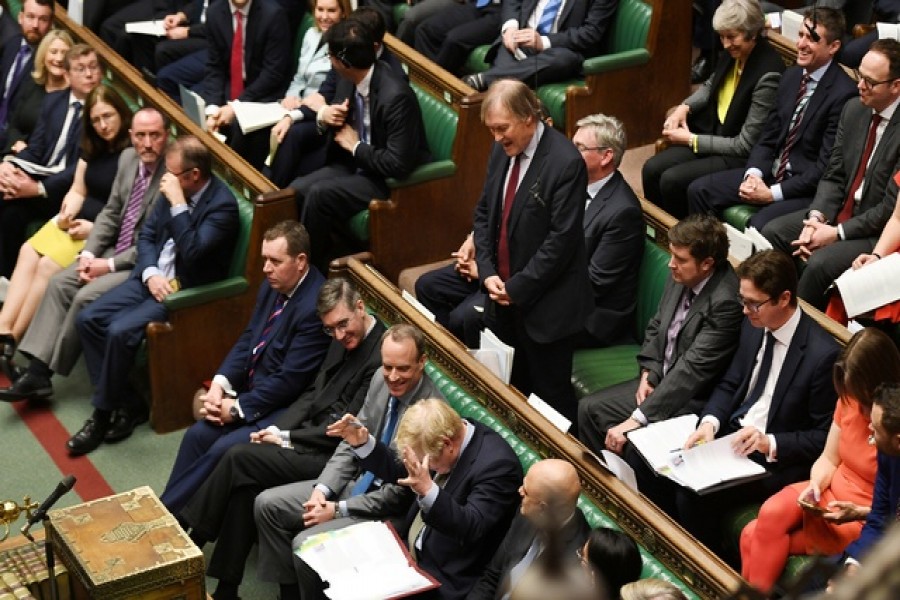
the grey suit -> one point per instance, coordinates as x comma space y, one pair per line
861, 231
279, 511
703, 350
52, 338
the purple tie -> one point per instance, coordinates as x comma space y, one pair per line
277, 309
17, 71
132, 211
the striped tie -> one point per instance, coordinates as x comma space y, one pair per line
264, 336
126, 231
548, 17
796, 119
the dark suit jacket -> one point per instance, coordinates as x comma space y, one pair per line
25, 113
879, 192
203, 237
340, 388
43, 139
614, 240
581, 27
495, 580
267, 57
291, 357
397, 143
471, 514
705, 119
548, 267
885, 499
803, 401
815, 137
7, 57
705, 345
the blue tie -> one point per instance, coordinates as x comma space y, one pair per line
482, 3
17, 71
387, 434
361, 118
548, 16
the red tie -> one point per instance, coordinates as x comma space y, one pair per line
508, 199
847, 210
237, 56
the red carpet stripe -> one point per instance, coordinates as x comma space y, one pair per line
51, 434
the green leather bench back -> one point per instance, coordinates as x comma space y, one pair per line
440, 130
738, 216
242, 240
469, 407
15, 7
594, 369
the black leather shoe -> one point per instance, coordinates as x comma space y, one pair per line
88, 438
28, 387
123, 423
9, 368
475, 80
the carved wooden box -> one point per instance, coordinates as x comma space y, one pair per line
127, 546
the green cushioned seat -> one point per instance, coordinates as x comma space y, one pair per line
738, 216
15, 7
440, 131
475, 63
399, 11
469, 407
596, 368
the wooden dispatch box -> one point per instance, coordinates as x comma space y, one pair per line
127, 546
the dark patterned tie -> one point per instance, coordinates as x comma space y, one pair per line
17, 71
126, 231
796, 119
277, 309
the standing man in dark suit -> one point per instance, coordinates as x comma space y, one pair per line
549, 495
687, 346
375, 131
343, 492
55, 142
530, 243
51, 341
777, 396
613, 238
546, 45
248, 60
17, 55
856, 196
790, 157
274, 360
461, 514
185, 242
295, 447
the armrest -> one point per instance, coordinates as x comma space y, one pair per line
203, 294
423, 173
619, 60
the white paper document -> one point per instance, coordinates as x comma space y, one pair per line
739, 245
418, 305
35, 169
656, 441
760, 243
155, 28
365, 561
621, 469
791, 22
870, 287
549, 413
498, 356
253, 116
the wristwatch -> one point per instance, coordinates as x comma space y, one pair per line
337, 510
234, 414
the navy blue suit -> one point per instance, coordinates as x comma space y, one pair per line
15, 215
808, 157
471, 514
112, 327
885, 500
285, 369
7, 57
799, 417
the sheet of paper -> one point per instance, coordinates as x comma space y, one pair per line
709, 464
253, 116
888, 31
505, 353
760, 243
791, 22
418, 306
549, 413
658, 441
870, 287
739, 245
146, 28
621, 469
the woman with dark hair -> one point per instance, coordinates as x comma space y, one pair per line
613, 559
716, 126
56, 245
824, 514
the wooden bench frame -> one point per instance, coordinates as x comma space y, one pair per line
188, 348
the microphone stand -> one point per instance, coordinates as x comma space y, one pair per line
51, 563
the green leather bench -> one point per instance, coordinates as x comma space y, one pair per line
440, 122
470, 407
597, 368
738, 216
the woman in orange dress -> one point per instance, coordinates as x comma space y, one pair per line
888, 242
824, 514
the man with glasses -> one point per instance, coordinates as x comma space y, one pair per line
777, 396
51, 341
855, 197
186, 241
687, 344
34, 182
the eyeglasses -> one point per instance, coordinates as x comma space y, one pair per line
339, 326
869, 82
183, 172
753, 306
583, 148
82, 69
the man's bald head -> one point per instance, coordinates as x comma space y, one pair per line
551, 487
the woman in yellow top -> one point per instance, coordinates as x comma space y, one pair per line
716, 126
